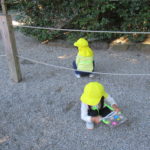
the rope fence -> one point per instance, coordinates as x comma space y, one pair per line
11, 50
77, 30
2, 55
70, 69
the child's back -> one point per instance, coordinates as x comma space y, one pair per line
85, 58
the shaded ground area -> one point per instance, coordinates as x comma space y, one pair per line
43, 111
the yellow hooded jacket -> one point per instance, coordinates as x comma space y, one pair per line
84, 59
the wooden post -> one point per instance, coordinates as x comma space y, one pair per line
4, 9
10, 47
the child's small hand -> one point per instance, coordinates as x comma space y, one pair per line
96, 119
116, 108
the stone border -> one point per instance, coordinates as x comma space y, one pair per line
105, 46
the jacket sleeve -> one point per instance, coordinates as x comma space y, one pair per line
110, 100
84, 113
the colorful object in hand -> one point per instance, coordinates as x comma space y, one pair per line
113, 119
116, 117
114, 123
106, 121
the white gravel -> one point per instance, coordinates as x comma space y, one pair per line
43, 111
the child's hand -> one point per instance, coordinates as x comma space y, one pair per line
96, 119
116, 108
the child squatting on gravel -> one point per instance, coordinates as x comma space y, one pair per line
92, 102
84, 60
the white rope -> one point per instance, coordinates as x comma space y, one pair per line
2, 55
65, 68
77, 30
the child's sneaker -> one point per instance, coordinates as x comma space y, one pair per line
91, 75
77, 75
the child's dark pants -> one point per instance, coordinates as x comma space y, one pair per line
81, 72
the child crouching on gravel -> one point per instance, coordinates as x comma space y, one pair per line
92, 103
84, 63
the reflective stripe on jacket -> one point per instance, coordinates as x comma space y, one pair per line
84, 63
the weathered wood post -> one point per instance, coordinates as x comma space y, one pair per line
10, 44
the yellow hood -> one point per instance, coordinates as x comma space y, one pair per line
83, 48
93, 93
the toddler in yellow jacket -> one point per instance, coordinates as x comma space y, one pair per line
84, 63
92, 104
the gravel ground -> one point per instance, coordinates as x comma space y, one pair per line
43, 111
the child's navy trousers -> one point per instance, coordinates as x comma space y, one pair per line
80, 72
